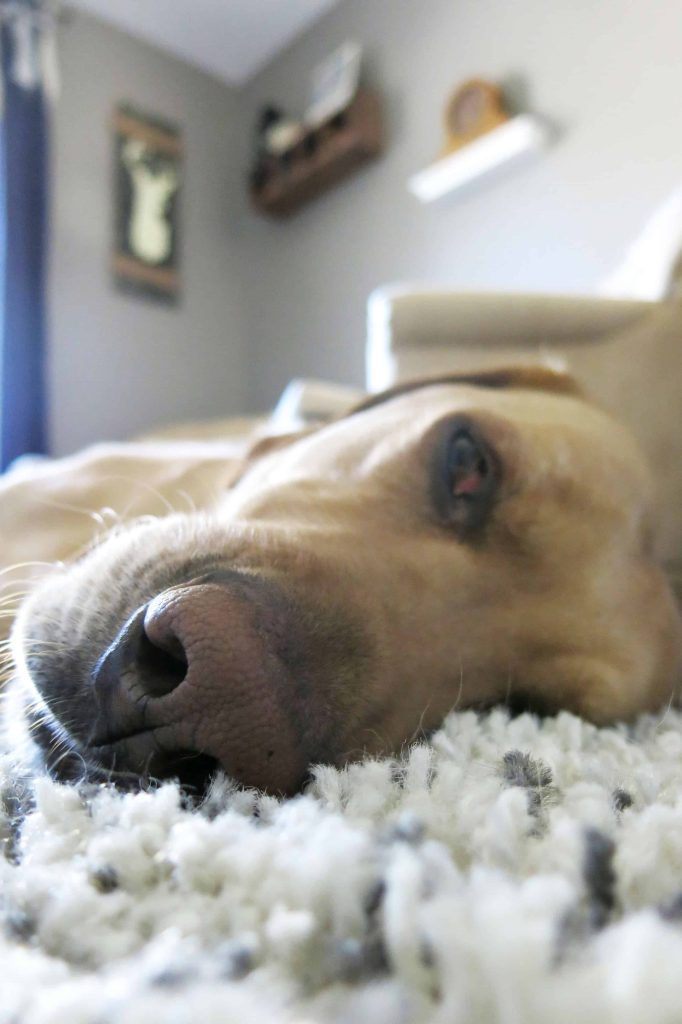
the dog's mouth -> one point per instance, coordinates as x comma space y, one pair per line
192, 770
154, 760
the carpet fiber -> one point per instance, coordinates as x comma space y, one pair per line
510, 870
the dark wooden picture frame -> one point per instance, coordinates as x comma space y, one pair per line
148, 166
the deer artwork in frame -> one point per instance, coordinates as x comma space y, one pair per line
147, 181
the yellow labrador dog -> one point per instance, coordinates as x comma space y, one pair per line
449, 544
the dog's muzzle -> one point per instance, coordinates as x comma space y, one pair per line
204, 676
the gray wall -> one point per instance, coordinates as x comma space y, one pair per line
265, 301
119, 364
607, 72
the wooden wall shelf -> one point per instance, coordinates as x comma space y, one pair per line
323, 157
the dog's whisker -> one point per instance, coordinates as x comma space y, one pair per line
16, 595
419, 731
44, 715
190, 501
110, 513
34, 642
29, 582
111, 533
24, 565
38, 655
94, 514
9, 610
145, 485
460, 691
383, 741
666, 711
69, 752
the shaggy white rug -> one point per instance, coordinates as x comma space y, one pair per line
509, 870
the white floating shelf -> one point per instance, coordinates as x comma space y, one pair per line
520, 137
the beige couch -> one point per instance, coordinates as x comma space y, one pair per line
627, 354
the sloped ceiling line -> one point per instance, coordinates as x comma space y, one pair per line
232, 39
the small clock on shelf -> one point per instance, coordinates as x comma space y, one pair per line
475, 108
480, 136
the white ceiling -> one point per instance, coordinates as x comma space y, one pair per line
230, 38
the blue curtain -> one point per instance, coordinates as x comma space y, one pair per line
23, 219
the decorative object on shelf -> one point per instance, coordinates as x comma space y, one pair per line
268, 117
335, 82
475, 108
320, 158
275, 132
480, 136
148, 176
283, 136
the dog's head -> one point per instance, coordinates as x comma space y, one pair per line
448, 544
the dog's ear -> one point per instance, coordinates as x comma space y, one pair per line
273, 443
264, 446
534, 378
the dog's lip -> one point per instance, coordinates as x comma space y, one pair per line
109, 741
97, 772
155, 758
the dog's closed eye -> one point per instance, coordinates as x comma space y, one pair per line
468, 477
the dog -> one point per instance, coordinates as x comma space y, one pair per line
452, 543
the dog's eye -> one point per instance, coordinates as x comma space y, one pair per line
471, 478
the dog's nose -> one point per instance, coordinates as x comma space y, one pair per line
197, 672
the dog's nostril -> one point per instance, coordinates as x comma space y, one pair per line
161, 666
147, 654
161, 660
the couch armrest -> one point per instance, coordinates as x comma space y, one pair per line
406, 322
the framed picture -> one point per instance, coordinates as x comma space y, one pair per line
335, 82
147, 184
